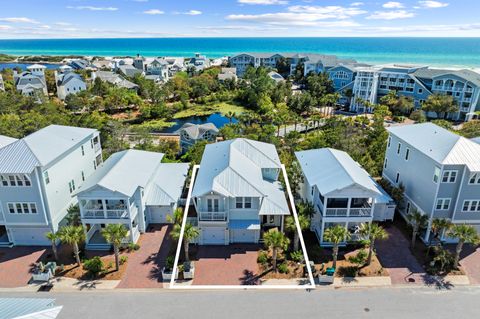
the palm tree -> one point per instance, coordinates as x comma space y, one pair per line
276, 241
176, 217
230, 115
466, 234
372, 232
53, 237
336, 235
73, 235
191, 232
418, 221
437, 227
291, 226
114, 234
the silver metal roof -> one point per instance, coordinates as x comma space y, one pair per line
167, 186
439, 144
197, 130
332, 170
11, 308
5, 140
124, 172
40, 148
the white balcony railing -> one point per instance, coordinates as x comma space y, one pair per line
360, 212
336, 212
96, 147
344, 212
106, 214
213, 216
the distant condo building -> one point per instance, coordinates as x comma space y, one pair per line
359, 82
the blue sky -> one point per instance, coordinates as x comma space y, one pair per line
256, 18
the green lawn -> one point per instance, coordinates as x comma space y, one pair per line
155, 125
204, 110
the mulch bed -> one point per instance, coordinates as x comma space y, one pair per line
295, 270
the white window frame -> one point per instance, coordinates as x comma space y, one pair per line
442, 202
389, 141
469, 204
448, 175
46, 178
397, 178
385, 163
436, 174
407, 154
247, 202
399, 148
22, 208
238, 202
71, 186
475, 177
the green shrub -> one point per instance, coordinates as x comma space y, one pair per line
418, 116
262, 257
297, 256
94, 266
123, 259
283, 268
360, 258
169, 262
133, 247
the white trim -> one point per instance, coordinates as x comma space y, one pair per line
442, 204
449, 173
459, 192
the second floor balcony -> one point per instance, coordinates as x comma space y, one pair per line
212, 216
110, 210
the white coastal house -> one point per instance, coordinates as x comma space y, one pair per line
38, 175
237, 193
133, 188
341, 191
2, 85
32, 81
115, 79
68, 82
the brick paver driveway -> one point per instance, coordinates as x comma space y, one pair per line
470, 261
226, 265
144, 269
16, 265
394, 255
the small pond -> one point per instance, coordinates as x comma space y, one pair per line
216, 118
23, 66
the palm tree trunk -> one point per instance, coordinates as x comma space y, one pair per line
295, 241
458, 250
116, 253
76, 253
414, 237
335, 255
54, 249
370, 252
274, 259
185, 247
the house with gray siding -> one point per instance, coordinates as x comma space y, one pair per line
38, 175
32, 81
237, 194
440, 171
191, 134
133, 188
68, 82
341, 191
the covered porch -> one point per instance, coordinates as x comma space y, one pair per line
353, 228
96, 241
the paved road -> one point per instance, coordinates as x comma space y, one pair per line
321, 303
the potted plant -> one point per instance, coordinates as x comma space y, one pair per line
168, 269
41, 273
188, 270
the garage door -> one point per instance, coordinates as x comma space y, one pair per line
242, 236
158, 214
29, 236
213, 235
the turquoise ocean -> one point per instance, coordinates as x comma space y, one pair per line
456, 52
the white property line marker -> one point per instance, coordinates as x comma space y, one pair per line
311, 284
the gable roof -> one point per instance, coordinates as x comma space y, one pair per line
439, 144
233, 168
5, 140
28, 308
167, 184
124, 172
40, 148
331, 170
197, 130
64, 78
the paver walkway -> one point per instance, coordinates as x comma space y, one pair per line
470, 261
16, 265
226, 265
144, 269
394, 254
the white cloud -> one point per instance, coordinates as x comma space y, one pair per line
19, 20
263, 2
91, 8
356, 4
5, 27
63, 24
304, 16
391, 15
393, 5
190, 12
432, 4
153, 12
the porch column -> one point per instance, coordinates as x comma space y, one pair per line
281, 223
321, 233
348, 205
325, 206
104, 204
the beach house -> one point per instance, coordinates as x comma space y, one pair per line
68, 82
31, 82
191, 134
